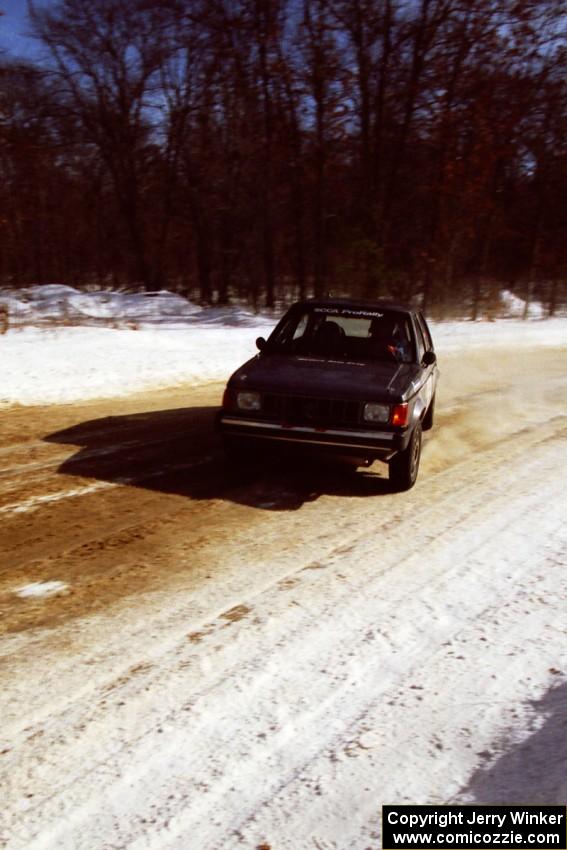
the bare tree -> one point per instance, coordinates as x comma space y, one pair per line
107, 56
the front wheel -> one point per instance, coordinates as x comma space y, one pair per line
404, 466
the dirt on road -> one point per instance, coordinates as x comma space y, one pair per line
194, 659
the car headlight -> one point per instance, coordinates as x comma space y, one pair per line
248, 401
376, 412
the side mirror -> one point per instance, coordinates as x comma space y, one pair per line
260, 343
429, 358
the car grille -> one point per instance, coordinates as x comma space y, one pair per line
298, 410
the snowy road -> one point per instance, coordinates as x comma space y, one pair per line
191, 662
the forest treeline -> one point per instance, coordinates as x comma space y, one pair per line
251, 148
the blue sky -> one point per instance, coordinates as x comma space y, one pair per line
14, 27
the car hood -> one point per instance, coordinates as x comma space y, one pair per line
327, 378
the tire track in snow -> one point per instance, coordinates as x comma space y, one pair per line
150, 750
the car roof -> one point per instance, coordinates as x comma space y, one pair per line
354, 304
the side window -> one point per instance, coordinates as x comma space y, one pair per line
425, 331
421, 346
407, 342
286, 331
301, 326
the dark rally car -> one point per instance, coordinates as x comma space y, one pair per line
353, 379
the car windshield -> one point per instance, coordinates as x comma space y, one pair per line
345, 334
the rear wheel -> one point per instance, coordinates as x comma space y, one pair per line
404, 466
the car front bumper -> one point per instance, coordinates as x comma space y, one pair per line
341, 441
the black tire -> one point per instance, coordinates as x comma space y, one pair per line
427, 423
404, 466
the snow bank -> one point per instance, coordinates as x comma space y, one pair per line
58, 304
64, 345
513, 307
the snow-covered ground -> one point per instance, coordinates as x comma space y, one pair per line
64, 345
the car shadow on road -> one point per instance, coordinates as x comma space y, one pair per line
179, 452
532, 771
